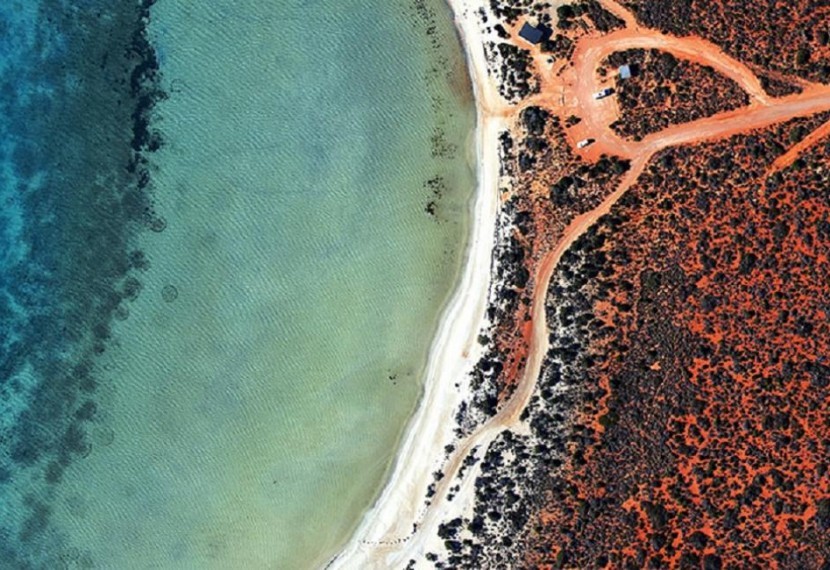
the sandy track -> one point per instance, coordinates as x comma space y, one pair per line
795, 151
620, 12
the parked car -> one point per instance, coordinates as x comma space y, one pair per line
604, 93
584, 142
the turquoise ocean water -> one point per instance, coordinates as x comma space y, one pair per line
229, 229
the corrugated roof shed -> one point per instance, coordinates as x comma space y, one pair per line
625, 71
532, 34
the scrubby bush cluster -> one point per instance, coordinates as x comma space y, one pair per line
515, 76
667, 91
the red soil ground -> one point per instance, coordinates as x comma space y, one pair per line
710, 441
777, 37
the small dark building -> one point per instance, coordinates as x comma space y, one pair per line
535, 34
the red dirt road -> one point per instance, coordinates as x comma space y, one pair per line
578, 83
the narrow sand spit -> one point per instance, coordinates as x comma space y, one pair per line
455, 350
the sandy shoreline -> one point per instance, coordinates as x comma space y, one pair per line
382, 535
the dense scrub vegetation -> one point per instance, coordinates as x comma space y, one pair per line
666, 91
789, 37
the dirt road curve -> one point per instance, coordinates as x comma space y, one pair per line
569, 90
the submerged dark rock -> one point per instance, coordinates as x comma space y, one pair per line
83, 193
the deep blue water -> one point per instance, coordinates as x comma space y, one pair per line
77, 85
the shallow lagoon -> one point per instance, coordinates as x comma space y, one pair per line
253, 398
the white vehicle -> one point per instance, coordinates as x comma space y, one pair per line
584, 142
604, 93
